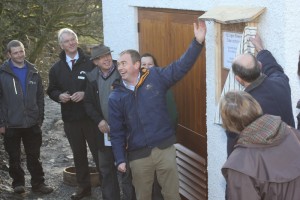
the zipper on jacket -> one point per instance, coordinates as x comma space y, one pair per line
138, 114
15, 85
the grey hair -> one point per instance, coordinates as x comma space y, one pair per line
65, 31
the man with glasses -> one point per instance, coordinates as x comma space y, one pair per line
67, 83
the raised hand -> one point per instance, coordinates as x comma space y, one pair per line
200, 31
257, 42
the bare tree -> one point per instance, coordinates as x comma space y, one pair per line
36, 22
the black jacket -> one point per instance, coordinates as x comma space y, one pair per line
62, 79
92, 101
17, 110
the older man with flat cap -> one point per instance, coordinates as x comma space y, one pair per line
99, 84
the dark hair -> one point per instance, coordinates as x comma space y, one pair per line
247, 73
14, 43
135, 56
153, 58
299, 65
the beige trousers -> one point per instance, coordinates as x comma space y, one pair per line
163, 161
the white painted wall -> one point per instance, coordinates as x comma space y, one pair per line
279, 28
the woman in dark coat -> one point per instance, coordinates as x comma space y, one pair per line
265, 163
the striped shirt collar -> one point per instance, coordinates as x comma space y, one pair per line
110, 71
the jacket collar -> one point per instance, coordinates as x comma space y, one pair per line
6, 67
143, 75
81, 58
256, 83
267, 129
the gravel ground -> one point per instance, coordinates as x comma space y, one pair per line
56, 155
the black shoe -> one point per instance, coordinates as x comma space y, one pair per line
81, 192
42, 188
19, 189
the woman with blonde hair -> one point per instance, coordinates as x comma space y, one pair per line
265, 163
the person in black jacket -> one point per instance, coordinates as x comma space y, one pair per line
21, 117
67, 83
266, 81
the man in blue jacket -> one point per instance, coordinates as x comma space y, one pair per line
99, 82
21, 117
140, 123
266, 81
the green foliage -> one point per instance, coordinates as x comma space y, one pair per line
36, 22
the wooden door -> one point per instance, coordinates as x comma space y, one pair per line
167, 34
